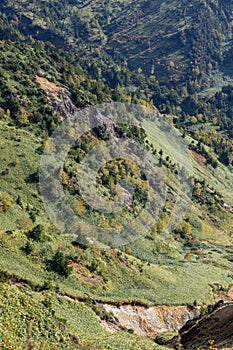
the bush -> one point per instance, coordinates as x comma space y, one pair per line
6, 202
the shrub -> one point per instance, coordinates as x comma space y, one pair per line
78, 207
6, 201
32, 216
24, 223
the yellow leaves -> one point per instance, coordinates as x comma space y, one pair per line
48, 146
161, 225
18, 74
184, 228
171, 65
102, 222
64, 178
6, 202
197, 190
78, 207
23, 116
196, 70
188, 256
193, 120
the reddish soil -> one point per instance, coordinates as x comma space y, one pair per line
199, 158
85, 276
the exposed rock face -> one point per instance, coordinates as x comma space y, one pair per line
148, 322
58, 97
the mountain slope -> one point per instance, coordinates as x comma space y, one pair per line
190, 35
58, 57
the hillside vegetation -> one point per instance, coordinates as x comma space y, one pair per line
57, 57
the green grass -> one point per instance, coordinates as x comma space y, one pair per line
18, 153
47, 321
166, 280
154, 271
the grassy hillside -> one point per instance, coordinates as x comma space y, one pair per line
145, 266
49, 284
33, 320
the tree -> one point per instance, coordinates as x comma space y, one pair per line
60, 264
64, 178
171, 65
184, 229
161, 225
28, 248
36, 233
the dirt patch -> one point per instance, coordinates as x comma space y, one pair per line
86, 277
48, 86
199, 158
226, 295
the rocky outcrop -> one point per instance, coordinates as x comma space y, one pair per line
58, 97
148, 322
